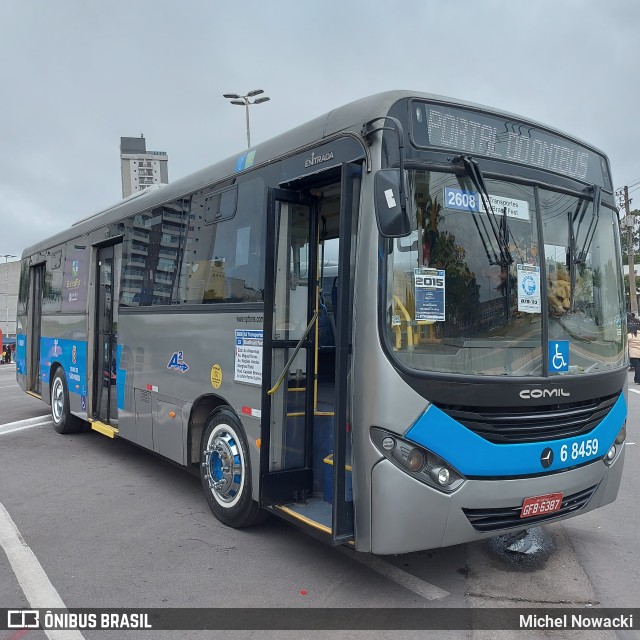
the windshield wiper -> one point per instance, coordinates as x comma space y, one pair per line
500, 232
579, 258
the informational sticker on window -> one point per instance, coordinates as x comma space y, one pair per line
429, 286
248, 360
528, 288
518, 209
461, 200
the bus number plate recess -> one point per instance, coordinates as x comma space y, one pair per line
541, 505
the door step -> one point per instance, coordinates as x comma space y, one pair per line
104, 429
314, 512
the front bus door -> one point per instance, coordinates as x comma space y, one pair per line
285, 450
106, 322
305, 449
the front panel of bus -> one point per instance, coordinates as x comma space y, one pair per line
493, 378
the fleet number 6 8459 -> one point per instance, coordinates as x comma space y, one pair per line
584, 449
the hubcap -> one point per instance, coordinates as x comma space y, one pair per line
224, 464
57, 400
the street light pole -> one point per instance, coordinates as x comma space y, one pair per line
244, 101
6, 257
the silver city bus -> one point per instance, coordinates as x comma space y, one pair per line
399, 326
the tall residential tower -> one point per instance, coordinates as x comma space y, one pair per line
141, 168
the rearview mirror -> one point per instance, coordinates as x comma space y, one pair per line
390, 203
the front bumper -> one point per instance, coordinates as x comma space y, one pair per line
407, 515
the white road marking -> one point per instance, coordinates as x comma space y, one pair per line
34, 582
404, 579
20, 425
635, 391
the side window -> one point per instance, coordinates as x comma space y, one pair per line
23, 288
220, 205
223, 261
152, 256
52, 290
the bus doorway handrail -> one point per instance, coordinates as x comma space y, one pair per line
293, 355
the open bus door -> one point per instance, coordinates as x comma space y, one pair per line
105, 408
305, 462
287, 401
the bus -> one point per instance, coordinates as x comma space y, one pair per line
400, 326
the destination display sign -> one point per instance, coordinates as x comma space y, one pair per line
475, 133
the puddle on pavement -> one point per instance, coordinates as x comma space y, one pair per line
526, 550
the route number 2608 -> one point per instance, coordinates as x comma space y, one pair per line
584, 449
461, 199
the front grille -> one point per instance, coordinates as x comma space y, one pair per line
512, 425
509, 517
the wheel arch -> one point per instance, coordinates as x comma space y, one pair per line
53, 369
202, 408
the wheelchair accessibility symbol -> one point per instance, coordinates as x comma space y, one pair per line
559, 355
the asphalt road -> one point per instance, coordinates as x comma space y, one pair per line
112, 525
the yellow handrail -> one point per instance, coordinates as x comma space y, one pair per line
407, 318
295, 353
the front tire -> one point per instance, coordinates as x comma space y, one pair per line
225, 472
63, 420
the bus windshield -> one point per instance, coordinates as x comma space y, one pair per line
464, 291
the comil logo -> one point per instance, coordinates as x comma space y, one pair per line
546, 458
534, 394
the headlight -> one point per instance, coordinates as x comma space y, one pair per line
441, 475
415, 460
616, 447
419, 463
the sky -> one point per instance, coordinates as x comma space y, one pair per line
76, 75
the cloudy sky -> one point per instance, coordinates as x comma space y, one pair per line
76, 75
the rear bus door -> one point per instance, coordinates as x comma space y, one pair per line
34, 316
105, 408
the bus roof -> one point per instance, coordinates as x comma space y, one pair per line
349, 117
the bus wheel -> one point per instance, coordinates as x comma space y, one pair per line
225, 472
63, 420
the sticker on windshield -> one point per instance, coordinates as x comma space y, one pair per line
429, 294
528, 288
461, 200
518, 209
559, 355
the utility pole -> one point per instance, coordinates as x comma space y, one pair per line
633, 297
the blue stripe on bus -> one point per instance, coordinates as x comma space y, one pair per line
21, 354
72, 355
472, 455
121, 378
